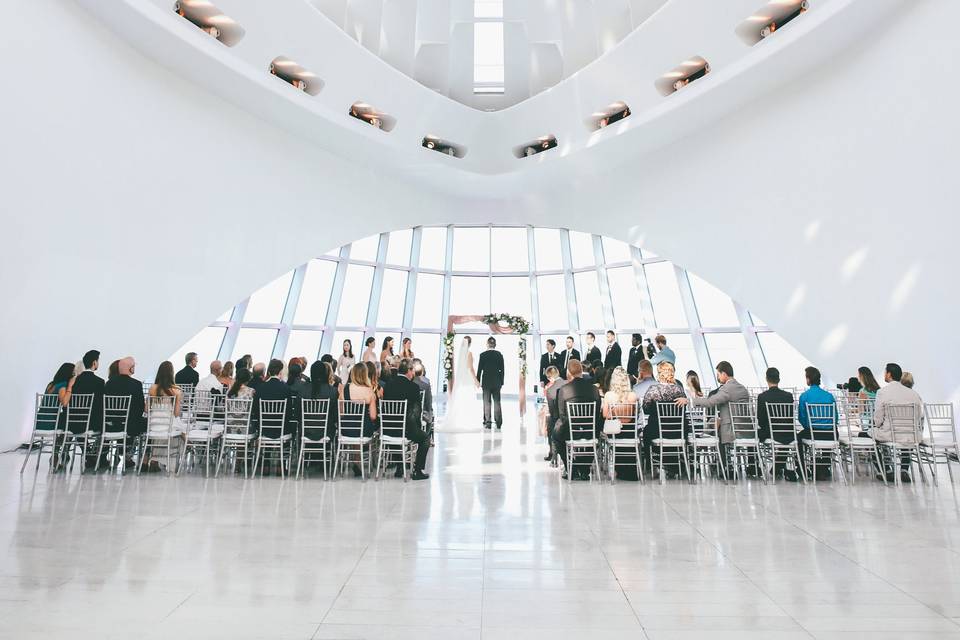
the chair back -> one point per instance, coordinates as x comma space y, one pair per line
187, 392
940, 423
116, 413
237, 419
314, 417
670, 417
351, 418
703, 421
743, 419
904, 423
822, 419
79, 410
626, 413
273, 415
393, 418
47, 412
782, 418
208, 408
160, 415
583, 420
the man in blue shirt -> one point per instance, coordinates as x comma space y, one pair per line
664, 353
819, 427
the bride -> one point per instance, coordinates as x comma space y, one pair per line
463, 409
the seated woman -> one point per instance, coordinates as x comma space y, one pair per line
361, 389
619, 402
693, 385
239, 388
324, 387
226, 375
62, 387
666, 390
165, 387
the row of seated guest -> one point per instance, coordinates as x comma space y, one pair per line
599, 366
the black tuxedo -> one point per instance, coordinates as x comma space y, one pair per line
187, 375
593, 355
547, 360
773, 395
565, 358
633, 362
578, 390
614, 357
127, 386
274, 389
490, 372
90, 383
400, 388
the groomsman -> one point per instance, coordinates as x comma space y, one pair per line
548, 359
593, 352
614, 356
636, 355
569, 354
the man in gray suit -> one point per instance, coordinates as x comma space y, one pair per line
729, 391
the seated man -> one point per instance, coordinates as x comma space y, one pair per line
188, 375
421, 380
893, 393
730, 390
402, 387
645, 378
124, 384
575, 390
554, 384
90, 383
774, 395
212, 382
273, 388
814, 428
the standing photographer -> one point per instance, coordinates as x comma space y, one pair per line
664, 353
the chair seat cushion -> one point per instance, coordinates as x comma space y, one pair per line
114, 435
705, 441
746, 442
857, 442
624, 442
203, 434
284, 438
669, 442
820, 444
394, 440
322, 440
164, 434
238, 437
355, 440
582, 443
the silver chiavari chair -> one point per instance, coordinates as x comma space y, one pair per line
746, 441
783, 446
116, 417
394, 445
350, 438
941, 444
904, 444
582, 418
623, 445
274, 435
162, 431
671, 419
237, 436
704, 442
46, 430
822, 448
206, 429
857, 418
314, 416
79, 432
187, 393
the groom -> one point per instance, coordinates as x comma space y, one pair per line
490, 372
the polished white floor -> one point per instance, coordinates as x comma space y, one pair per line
494, 546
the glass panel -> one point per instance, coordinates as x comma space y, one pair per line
333, 253
392, 295
471, 249
225, 316
665, 295
626, 298
588, 303
581, 249
732, 348
206, 344
757, 322
433, 248
365, 249
303, 343
780, 354
616, 251
469, 296
257, 342
714, 307
428, 302
507, 345
266, 305
508, 249
426, 346
356, 296
549, 257
682, 345
552, 297
488, 8
398, 249
488, 53
315, 294
511, 295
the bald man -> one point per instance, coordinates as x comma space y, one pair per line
126, 385
212, 382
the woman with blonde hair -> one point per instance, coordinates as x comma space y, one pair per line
665, 389
361, 389
619, 394
226, 375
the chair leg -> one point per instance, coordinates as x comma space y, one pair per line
29, 451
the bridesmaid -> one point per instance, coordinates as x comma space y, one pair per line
406, 350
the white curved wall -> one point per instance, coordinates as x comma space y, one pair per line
826, 207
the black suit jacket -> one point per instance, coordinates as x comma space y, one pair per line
399, 388
564, 360
127, 386
490, 369
614, 357
545, 362
771, 396
274, 389
594, 354
633, 361
187, 375
578, 390
90, 383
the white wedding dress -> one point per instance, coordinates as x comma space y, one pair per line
464, 407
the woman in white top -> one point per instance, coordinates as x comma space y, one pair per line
387, 352
369, 355
406, 349
346, 361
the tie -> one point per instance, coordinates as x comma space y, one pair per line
566, 360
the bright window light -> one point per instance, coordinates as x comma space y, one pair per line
487, 56
488, 8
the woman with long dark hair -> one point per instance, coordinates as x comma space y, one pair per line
165, 386
345, 362
295, 380
387, 352
62, 383
324, 387
239, 388
693, 385
114, 370
406, 348
869, 383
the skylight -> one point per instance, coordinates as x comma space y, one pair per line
488, 47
